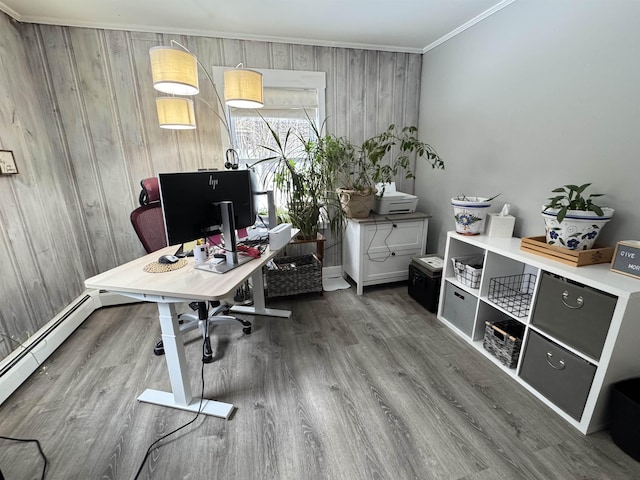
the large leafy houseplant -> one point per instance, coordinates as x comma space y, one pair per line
357, 171
382, 165
297, 170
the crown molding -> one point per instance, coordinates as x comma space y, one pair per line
470, 23
260, 38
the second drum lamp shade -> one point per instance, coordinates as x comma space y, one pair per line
243, 88
176, 113
174, 71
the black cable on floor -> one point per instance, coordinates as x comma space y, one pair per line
37, 442
144, 460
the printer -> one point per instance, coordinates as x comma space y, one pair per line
393, 201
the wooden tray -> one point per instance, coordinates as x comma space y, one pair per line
575, 258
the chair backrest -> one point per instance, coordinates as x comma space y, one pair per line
147, 219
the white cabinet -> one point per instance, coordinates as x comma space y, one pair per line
378, 249
581, 324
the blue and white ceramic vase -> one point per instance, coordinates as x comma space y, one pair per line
470, 214
577, 231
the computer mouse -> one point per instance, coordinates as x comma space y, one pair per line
168, 259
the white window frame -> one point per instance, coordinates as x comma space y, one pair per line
273, 78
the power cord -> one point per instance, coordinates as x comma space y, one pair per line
27, 440
389, 252
144, 460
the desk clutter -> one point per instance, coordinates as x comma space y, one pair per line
157, 267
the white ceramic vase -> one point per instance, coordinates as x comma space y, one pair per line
470, 214
577, 231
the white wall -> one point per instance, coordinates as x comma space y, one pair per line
541, 94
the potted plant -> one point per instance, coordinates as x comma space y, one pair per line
297, 170
356, 171
470, 213
573, 221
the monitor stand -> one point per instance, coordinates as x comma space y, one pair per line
224, 266
231, 260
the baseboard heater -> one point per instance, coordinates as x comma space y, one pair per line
34, 342
31, 354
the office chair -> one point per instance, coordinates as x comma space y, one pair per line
148, 223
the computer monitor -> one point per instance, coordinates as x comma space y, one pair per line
191, 202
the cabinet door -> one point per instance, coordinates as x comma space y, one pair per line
387, 237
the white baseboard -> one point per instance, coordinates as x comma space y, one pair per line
28, 357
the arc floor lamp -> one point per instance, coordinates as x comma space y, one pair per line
175, 72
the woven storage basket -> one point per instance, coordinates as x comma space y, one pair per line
468, 270
504, 340
294, 275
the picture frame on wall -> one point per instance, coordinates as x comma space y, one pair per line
7, 163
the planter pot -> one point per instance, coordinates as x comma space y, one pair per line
577, 231
356, 203
470, 214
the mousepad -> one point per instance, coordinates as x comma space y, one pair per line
156, 267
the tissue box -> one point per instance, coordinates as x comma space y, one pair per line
500, 227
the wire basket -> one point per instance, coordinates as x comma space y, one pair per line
293, 275
514, 293
503, 339
468, 270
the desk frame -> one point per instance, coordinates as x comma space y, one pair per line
129, 280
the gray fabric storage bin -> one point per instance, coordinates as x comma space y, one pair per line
459, 308
561, 376
574, 314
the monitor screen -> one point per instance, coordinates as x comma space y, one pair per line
188, 202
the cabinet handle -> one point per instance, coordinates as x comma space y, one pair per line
461, 297
579, 301
393, 254
560, 363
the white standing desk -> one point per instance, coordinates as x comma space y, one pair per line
185, 284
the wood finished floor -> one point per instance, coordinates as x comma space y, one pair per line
369, 387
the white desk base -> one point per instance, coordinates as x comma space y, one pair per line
166, 399
131, 280
258, 307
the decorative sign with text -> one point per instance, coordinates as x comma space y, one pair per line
626, 258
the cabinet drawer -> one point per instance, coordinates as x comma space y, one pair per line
574, 314
561, 376
393, 236
387, 265
459, 308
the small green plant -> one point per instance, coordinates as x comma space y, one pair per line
572, 199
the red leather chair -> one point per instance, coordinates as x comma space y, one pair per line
147, 219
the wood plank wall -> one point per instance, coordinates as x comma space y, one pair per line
77, 107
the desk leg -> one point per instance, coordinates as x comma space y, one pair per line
181, 397
258, 307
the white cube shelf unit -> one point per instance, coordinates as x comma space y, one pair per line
581, 329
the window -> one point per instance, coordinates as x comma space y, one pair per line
292, 98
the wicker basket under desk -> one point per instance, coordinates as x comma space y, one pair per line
294, 275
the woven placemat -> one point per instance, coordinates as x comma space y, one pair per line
157, 267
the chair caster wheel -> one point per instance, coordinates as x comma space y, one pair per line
207, 359
246, 330
159, 348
